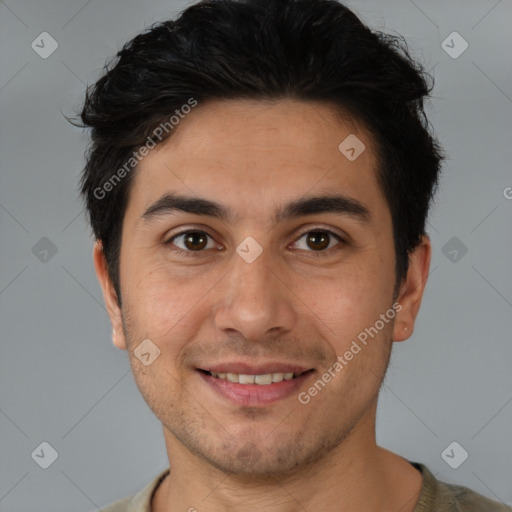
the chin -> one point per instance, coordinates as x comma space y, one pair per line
249, 459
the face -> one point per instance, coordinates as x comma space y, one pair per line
265, 281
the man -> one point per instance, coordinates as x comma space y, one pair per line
258, 184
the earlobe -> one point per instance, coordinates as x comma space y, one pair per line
109, 296
118, 340
411, 290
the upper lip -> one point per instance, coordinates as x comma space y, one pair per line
254, 369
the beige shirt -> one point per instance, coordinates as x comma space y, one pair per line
435, 496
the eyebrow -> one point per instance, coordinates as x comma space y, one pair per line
338, 204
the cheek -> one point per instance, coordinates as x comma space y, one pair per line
356, 295
162, 303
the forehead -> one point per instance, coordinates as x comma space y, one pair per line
253, 156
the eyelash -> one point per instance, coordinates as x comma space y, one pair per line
318, 254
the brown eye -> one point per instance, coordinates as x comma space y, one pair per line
191, 242
195, 240
318, 241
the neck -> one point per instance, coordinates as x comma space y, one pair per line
356, 476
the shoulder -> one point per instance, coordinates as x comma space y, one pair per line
140, 502
118, 506
460, 498
438, 496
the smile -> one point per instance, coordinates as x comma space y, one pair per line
253, 390
262, 379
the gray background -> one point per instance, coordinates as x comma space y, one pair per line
61, 379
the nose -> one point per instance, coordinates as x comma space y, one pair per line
255, 301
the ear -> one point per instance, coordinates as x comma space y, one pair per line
411, 290
109, 295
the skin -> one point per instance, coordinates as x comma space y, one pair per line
287, 305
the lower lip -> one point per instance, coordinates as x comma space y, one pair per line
256, 394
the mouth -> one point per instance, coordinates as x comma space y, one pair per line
263, 379
255, 389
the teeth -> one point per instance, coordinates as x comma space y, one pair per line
247, 379
265, 379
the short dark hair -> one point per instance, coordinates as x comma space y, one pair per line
266, 50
